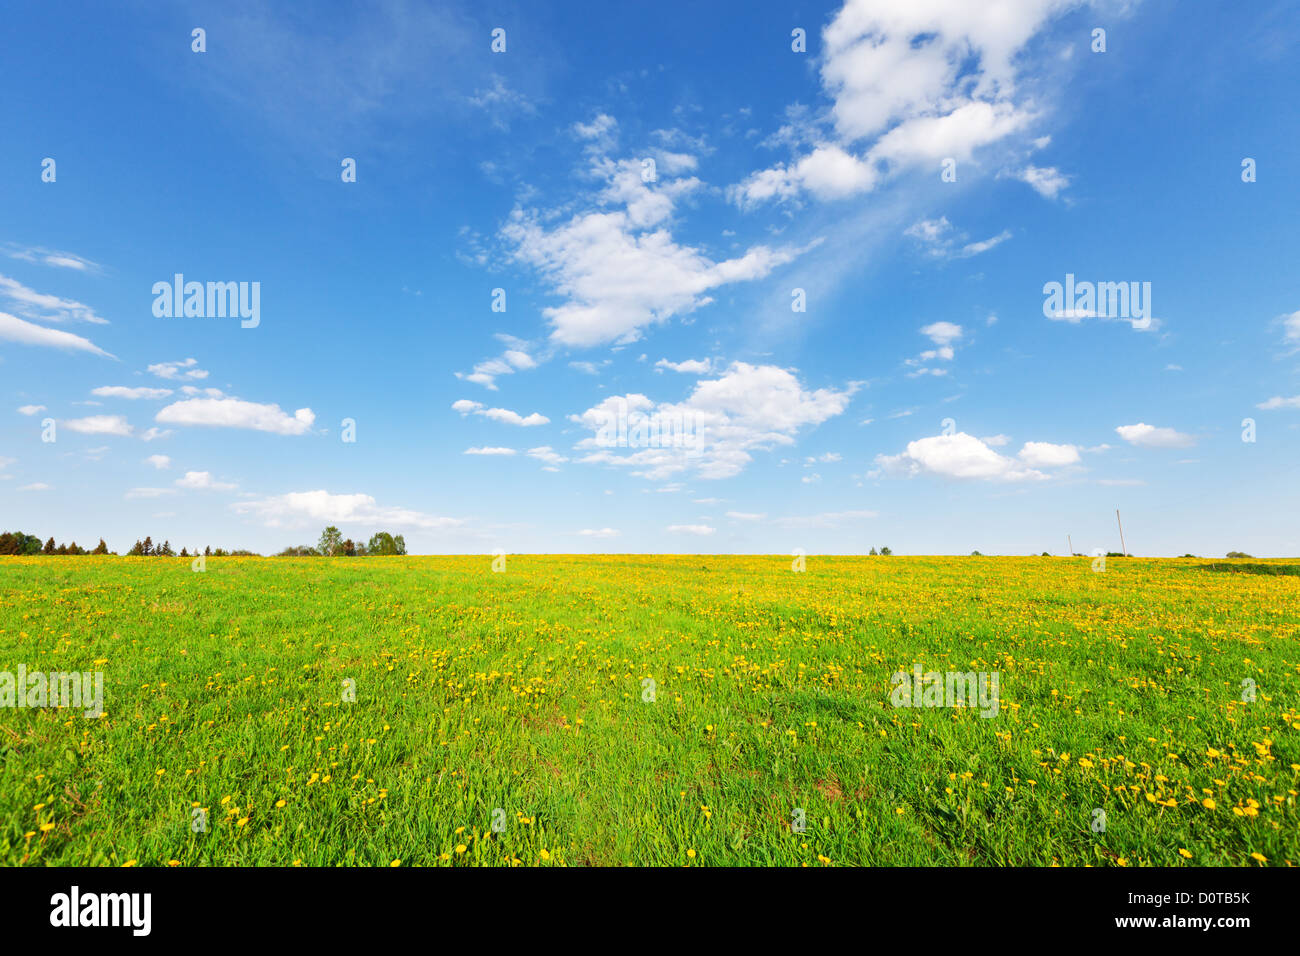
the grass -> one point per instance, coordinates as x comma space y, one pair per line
519, 696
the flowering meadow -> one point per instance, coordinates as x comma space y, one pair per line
652, 710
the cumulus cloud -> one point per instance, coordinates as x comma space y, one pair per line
617, 267
957, 456
236, 413
1041, 454
724, 420
910, 83
30, 409
159, 461
701, 530
1277, 401
1149, 436
598, 533
490, 451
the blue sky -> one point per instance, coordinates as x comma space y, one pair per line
920, 173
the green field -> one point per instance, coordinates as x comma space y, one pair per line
521, 697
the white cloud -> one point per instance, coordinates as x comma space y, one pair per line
941, 240
36, 486
30, 409
490, 451
152, 433
745, 409
187, 369
308, 508
235, 413
942, 333
1277, 401
828, 172
514, 359
688, 367
505, 415
53, 257
501, 103
1291, 328
955, 456
598, 533
547, 454
602, 126
98, 425
202, 480
919, 82
1149, 436
702, 530
1046, 181
123, 391
619, 270
46, 308
14, 329
159, 461
1041, 454
746, 516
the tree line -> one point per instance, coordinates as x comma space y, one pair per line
331, 544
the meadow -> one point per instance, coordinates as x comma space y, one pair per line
1147, 714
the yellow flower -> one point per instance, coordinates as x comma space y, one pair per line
461, 848
279, 803
129, 863
396, 863
691, 854
545, 855
1208, 803
1259, 856
1185, 853
47, 827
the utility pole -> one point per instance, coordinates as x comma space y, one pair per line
1071, 544
1121, 533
